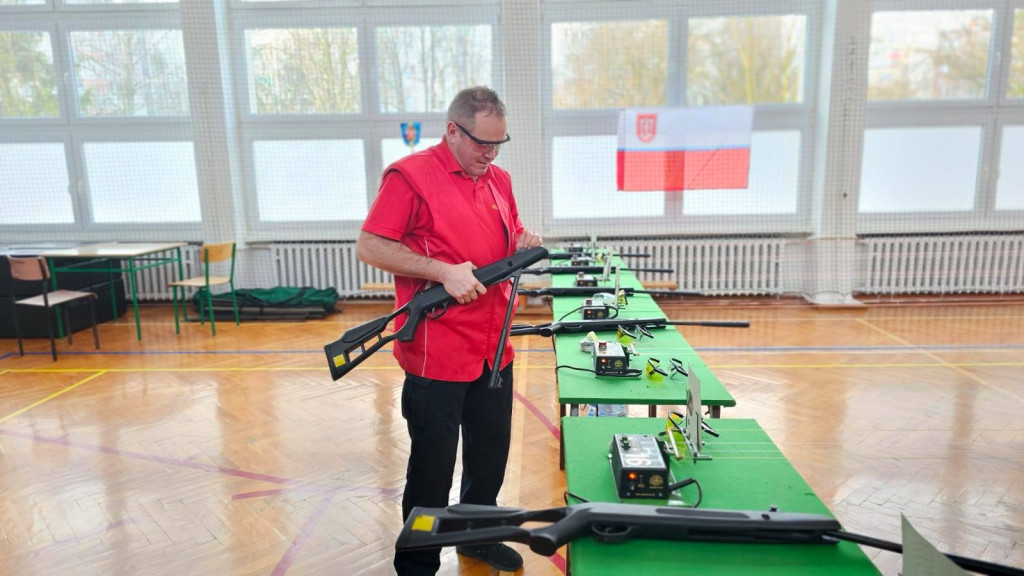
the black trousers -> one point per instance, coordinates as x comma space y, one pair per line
435, 411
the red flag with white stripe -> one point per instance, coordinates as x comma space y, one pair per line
684, 148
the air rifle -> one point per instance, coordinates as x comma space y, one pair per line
568, 256
340, 353
611, 324
591, 290
469, 524
589, 270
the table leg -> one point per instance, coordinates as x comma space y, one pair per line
113, 293
53, 288
135, 297
716, 411
652, 411
561, 437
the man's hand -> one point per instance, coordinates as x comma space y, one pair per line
528, 239
460, 283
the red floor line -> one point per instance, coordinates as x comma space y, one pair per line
540, 415
303, 536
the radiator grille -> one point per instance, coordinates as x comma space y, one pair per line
325, 265
943, 264
732, 266
744, 266
151, 284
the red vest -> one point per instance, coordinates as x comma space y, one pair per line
454, 346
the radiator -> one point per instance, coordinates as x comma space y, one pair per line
325, 265
151, 284
943, 264
730, 266
742, 266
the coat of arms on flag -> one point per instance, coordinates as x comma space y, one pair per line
684, 148
646, 127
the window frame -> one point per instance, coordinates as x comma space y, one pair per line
796, 116
991, 113
73, 129
370, 124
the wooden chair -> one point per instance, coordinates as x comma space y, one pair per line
209, 253
34, 269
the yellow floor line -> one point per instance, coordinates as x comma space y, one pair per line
51, 396
959, 367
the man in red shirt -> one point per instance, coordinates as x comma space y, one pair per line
439, 214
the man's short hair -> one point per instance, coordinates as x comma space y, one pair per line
468, 102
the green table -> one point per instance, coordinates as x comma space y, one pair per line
136, 256
747, 472
576, 387
638, 306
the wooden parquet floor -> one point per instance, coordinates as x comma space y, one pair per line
189, 454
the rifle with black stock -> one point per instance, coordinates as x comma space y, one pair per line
591, 290
341, 356
470, 524
590, 270
611, 324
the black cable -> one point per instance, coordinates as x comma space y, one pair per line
564, 316
630, 373
566, 495
686, 482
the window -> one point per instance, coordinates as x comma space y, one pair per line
584, 168
34, 186
920, 169
936, 99
303, 70
609, 64
929, 55
157, 185
773, 182
323, 95
310, 180
1015, 87
1010, 189
692, 55
420, 68
27, 85
746, 60
129, 72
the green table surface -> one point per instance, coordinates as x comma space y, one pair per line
638, 306
747, 472
575, 387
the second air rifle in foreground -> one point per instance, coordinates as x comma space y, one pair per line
356, 344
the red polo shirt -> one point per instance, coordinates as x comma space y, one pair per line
428, 204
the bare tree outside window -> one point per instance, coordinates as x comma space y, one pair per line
745, 60
27, 85
303, 71
130, 72
1016, 84
420, 67
933, 55
609, 64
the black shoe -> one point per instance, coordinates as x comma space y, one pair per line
498, 556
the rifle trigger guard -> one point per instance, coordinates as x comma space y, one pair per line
612, 534
433, 314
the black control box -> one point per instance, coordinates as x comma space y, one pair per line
593, 310
638, 466
610, 359
585, 280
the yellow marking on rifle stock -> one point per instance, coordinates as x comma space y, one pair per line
339, 361
424, 523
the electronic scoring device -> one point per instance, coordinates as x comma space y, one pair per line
610, 359
638, 466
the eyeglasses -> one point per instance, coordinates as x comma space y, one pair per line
486, 144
